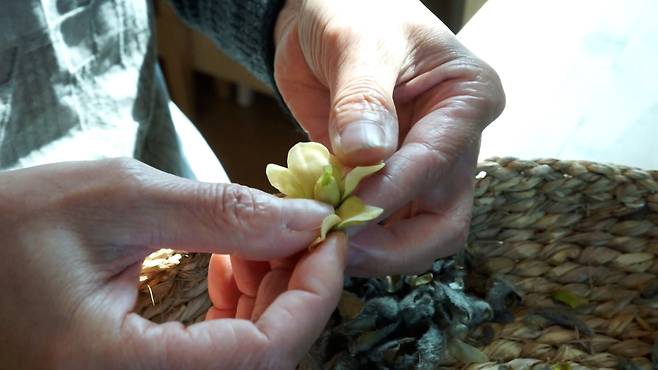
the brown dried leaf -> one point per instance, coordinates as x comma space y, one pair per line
349, 306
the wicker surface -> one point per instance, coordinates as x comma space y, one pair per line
586, 228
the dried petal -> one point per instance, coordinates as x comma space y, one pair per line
381, 308
407, 361
364, 322
501, 295
393, 283
475, 311
349, 306
385, 307
388, 351
367, 340
465, 353
571, 299
430, 348
422, 280
417, 307
342, 361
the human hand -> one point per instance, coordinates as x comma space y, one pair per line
75, 234
387, 81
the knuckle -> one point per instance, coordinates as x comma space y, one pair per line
494, 92
431, 162
337, 33
364, 92
323, 43
124, 173
236, 206
489, 90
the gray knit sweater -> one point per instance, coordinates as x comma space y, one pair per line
79, 79
241, 28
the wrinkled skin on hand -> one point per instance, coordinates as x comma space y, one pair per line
387, 81
74, 236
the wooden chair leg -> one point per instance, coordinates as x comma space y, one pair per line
174, 43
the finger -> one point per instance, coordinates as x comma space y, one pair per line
297, 317
222, 287
274, 284
436, 226
146, 207
216, 314
361, 76
279, 339
249, 274
245, 307
410, 246
226, 344
433, 150
287, 263
455, 101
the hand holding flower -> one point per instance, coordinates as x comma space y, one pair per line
314, 173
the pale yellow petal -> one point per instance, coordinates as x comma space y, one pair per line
353, 212
284, 181
327, 224
307, 162
326, 188
357, 174
338, 171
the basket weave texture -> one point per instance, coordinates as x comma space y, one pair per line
548, 225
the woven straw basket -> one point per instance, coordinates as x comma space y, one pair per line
548, 226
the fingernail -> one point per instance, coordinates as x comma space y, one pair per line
361, 135
305, 214
370, 130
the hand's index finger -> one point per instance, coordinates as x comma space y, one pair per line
296, 318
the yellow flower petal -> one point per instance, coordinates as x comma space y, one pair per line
353, 212
284, 181
307, 162
357, 174
327, 224
338, 171
326, 188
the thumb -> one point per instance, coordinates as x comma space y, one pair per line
125, 202
363, 124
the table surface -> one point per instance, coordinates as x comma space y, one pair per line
580, 77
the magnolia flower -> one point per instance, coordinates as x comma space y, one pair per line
314, 173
